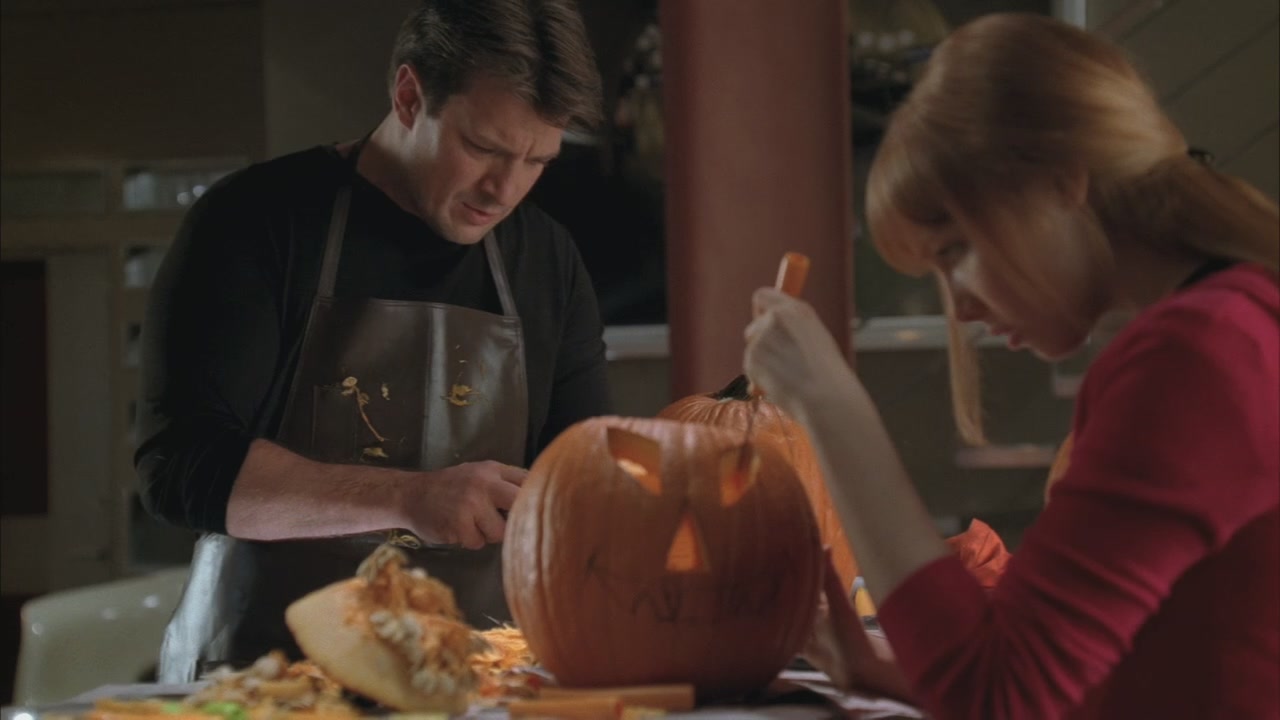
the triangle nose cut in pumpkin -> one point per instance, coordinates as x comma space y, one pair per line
687, 555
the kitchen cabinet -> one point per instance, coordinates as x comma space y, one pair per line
101, 230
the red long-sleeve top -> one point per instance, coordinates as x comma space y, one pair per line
1150, 585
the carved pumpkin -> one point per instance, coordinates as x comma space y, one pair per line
639, 552
730, 408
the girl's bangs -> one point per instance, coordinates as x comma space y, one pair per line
904, 194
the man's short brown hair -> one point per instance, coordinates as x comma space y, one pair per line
538, 47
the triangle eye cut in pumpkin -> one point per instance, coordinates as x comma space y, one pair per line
736, 477
639, 457
733, 408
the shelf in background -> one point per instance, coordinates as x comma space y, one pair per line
881, 334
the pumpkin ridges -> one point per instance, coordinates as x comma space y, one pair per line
801, 631
798, 504
520, 526
546, 605
729, 408
771, 615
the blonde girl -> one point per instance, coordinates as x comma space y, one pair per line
1033, 172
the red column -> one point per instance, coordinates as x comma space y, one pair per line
758, 163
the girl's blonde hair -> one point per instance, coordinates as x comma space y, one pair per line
1009, 109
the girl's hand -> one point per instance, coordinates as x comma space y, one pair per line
790, 354
841, 648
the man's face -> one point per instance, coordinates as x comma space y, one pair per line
477, 159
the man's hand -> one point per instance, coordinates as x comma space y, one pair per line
463, 505
841, 648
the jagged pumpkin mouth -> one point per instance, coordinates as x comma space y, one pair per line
685, 598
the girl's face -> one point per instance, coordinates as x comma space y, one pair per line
1046, 300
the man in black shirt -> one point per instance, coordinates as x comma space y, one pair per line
370, 341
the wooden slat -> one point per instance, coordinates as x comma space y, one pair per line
23, 552
1098, 12
133, 305
129, 379
66, 234
1259, 163
1116, 19
50, 7
1238, 99
1184, 39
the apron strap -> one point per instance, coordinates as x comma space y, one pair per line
333, 244
499, 275
338, 224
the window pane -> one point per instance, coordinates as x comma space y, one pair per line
164, 189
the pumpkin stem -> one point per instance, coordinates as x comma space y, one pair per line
738, 389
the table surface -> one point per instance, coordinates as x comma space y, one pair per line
838, 704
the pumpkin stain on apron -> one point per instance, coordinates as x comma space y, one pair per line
384, 383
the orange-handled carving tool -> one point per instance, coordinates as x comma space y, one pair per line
792, 273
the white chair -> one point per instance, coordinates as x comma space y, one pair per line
76, 640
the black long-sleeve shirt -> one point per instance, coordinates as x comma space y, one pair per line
226, 314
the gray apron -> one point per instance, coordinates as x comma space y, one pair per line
444, 385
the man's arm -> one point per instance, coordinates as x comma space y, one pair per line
214, 373
212, 347
280, 495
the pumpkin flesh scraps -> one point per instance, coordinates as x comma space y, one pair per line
501, 665
395, 605
351, 387
460, 395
